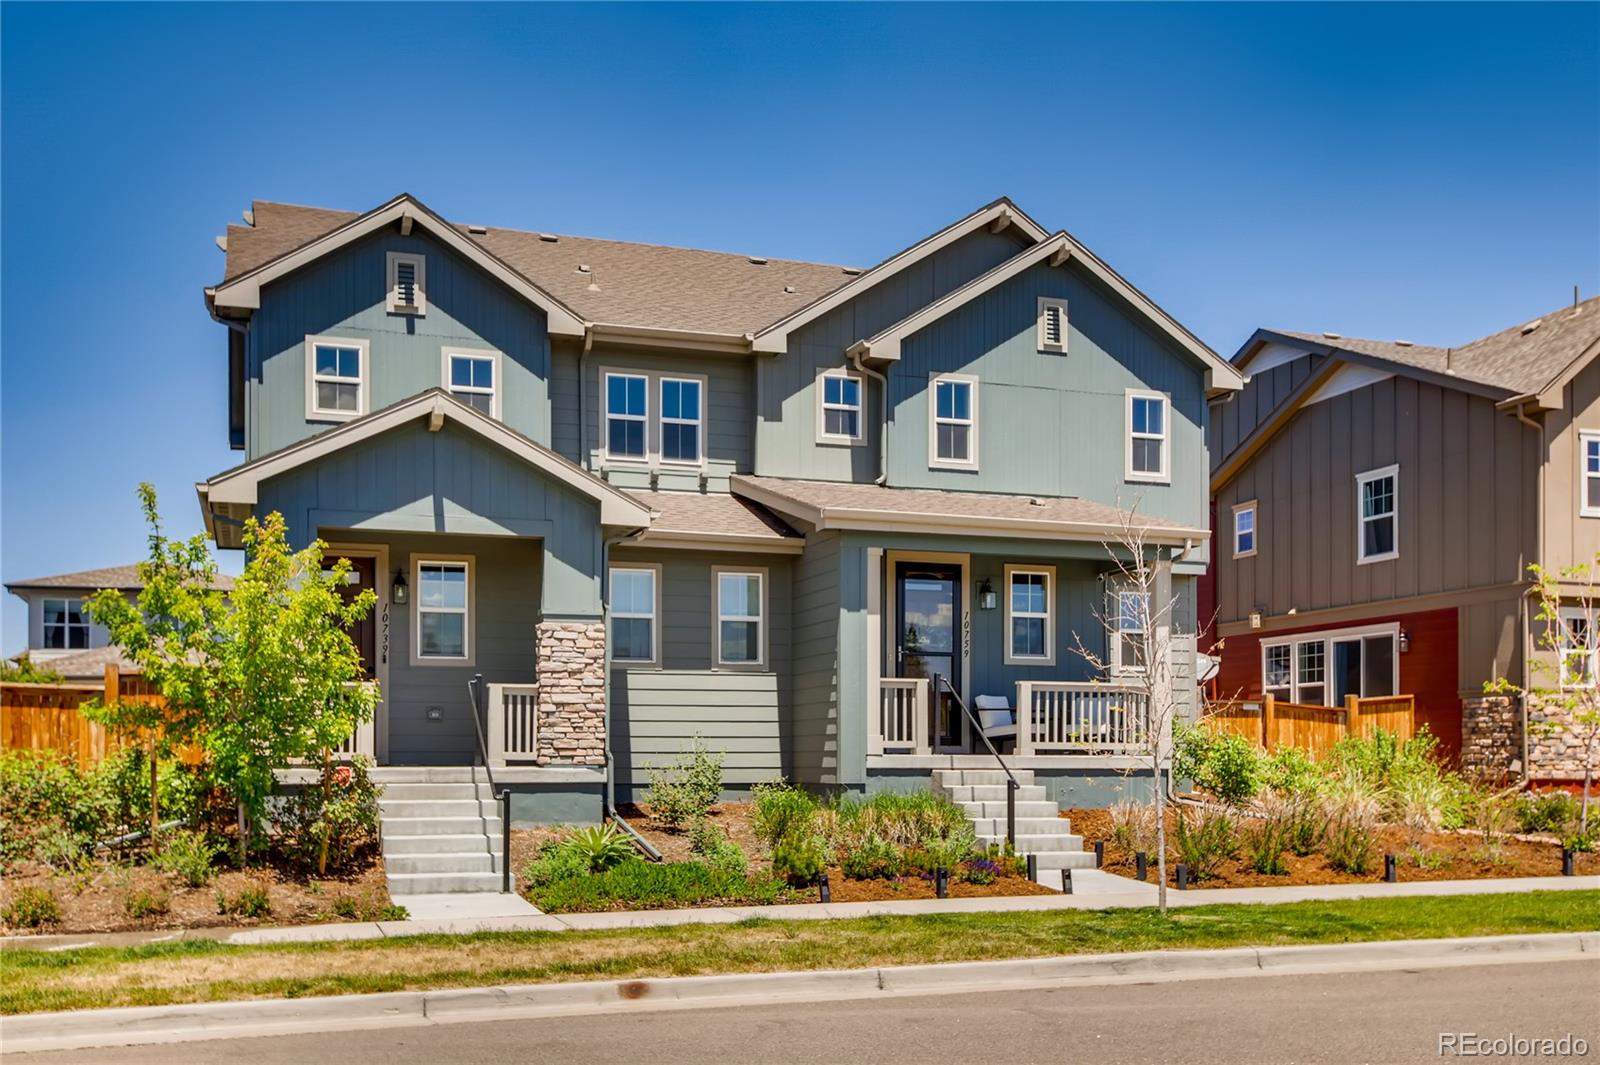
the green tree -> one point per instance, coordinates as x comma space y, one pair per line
258, 680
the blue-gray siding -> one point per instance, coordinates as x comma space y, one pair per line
814, 707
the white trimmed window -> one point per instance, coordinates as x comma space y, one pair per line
65, 627
407, 283
741, 616
1030, 615
1277, 671
1589, 483
1579, 650
839, 407
681, 420
473, 377
1052, 325
953, 429
1311, 673
1378, 515
635, 605
1148, 451
1244, 529
1324, 668
1132, 614
336, 378
627, 416
443, 610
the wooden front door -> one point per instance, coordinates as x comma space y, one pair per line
363, 575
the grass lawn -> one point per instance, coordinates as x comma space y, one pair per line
206, 971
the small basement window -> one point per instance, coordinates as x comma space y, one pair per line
1053, 325
408, 283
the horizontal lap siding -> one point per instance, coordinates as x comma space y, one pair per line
814, 710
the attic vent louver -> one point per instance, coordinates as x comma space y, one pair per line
408, 283
405, 283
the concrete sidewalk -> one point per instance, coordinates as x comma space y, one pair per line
1094, 892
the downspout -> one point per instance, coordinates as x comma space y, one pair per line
883, 422
583, 410
1527, 620
610, 805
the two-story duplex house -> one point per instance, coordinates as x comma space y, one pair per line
1378, 504
655, 493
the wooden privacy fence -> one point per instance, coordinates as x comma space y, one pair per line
1274, 723
45, 717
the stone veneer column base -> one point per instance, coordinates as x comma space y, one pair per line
1555, 751
572, 692
1491, 735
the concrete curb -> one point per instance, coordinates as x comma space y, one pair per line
170, 1024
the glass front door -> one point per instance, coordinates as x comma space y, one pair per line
928, 640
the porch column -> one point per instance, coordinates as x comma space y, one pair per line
572, 693
874, 644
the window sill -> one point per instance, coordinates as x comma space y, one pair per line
954, 467
333, 417
1147, 478
839, 441
1389, 557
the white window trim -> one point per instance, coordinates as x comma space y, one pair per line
1049, 656
1269, 688
1118, 667
760, 573
662, 421
363, 383
1584, 437
448, 353
823, 406
1570, 613
66, 627
654, 569
1046, 303
1362, 558
392, 283
605, 418
1328, 637
970, 463
469, 632
1164, 475
1254, 510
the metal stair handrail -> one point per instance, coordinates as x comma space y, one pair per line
1012, 784
474, 688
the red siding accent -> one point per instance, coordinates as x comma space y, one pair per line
1429, 670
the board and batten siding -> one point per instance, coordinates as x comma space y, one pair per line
1052, 424
450, 481
1235, 416
344, 295
1570, 538
658, 712
786, 402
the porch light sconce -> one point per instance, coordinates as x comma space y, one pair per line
986, 596
1405, 641
399, 592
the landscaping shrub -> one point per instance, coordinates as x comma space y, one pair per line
1351, 816
1205, 841
1133, 826
328, 826
1191, 745
909, 819
1267, 837
141, 903
60, 849
874, 858
189, 856
1226, 765
31, 907
598, 848
684, 791
43, 794
782, 810
980, 871
638, 884
713, 847
946, 852
800, 857
352, 908
247, 902
1491, 813
554, 863
1553, 811
1290, 771
1306, 827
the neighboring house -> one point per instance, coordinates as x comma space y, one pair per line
1377, 505
60, 634
798, 489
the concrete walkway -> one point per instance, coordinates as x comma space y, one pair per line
1097, 890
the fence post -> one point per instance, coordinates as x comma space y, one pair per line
1352, 715
1266, 722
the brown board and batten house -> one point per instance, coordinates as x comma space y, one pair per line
1376, 506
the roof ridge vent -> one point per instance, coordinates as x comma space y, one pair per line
1333, 336
1403, 344
758, 260
549, 238
1531, 326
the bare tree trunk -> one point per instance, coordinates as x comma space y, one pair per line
155, 794
327, 790
244, 838
1161, 841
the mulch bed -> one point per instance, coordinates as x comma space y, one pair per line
95, 899
1453, 856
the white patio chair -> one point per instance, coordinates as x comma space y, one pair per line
996, 719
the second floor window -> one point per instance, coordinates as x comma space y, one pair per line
337, 384
839, 413
1147, 437
680, 420
1244, 530
1378, 500
1589, 485
954, 425
627, 415
65, 627
471, 379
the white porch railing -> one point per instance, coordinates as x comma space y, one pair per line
363, 742
513, 714
1071, 717
900, 720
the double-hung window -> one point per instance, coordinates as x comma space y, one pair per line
444, 592
1029, 615
1132, 618
336, 378
473, 378
1311, 673
65, 627
1377, 511
680, 420
741, 617
1579, 649
1148, 450
1244, 530
1277, 671
627, 416
634, 599
839, 408
954, 427
1589, 483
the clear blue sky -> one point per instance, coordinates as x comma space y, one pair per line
1427, 172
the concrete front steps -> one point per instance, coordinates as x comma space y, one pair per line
440, 828
1041, 832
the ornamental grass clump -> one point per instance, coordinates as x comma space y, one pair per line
1266, 836
788, 820
1205, 841
1351, 815
1133, 827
